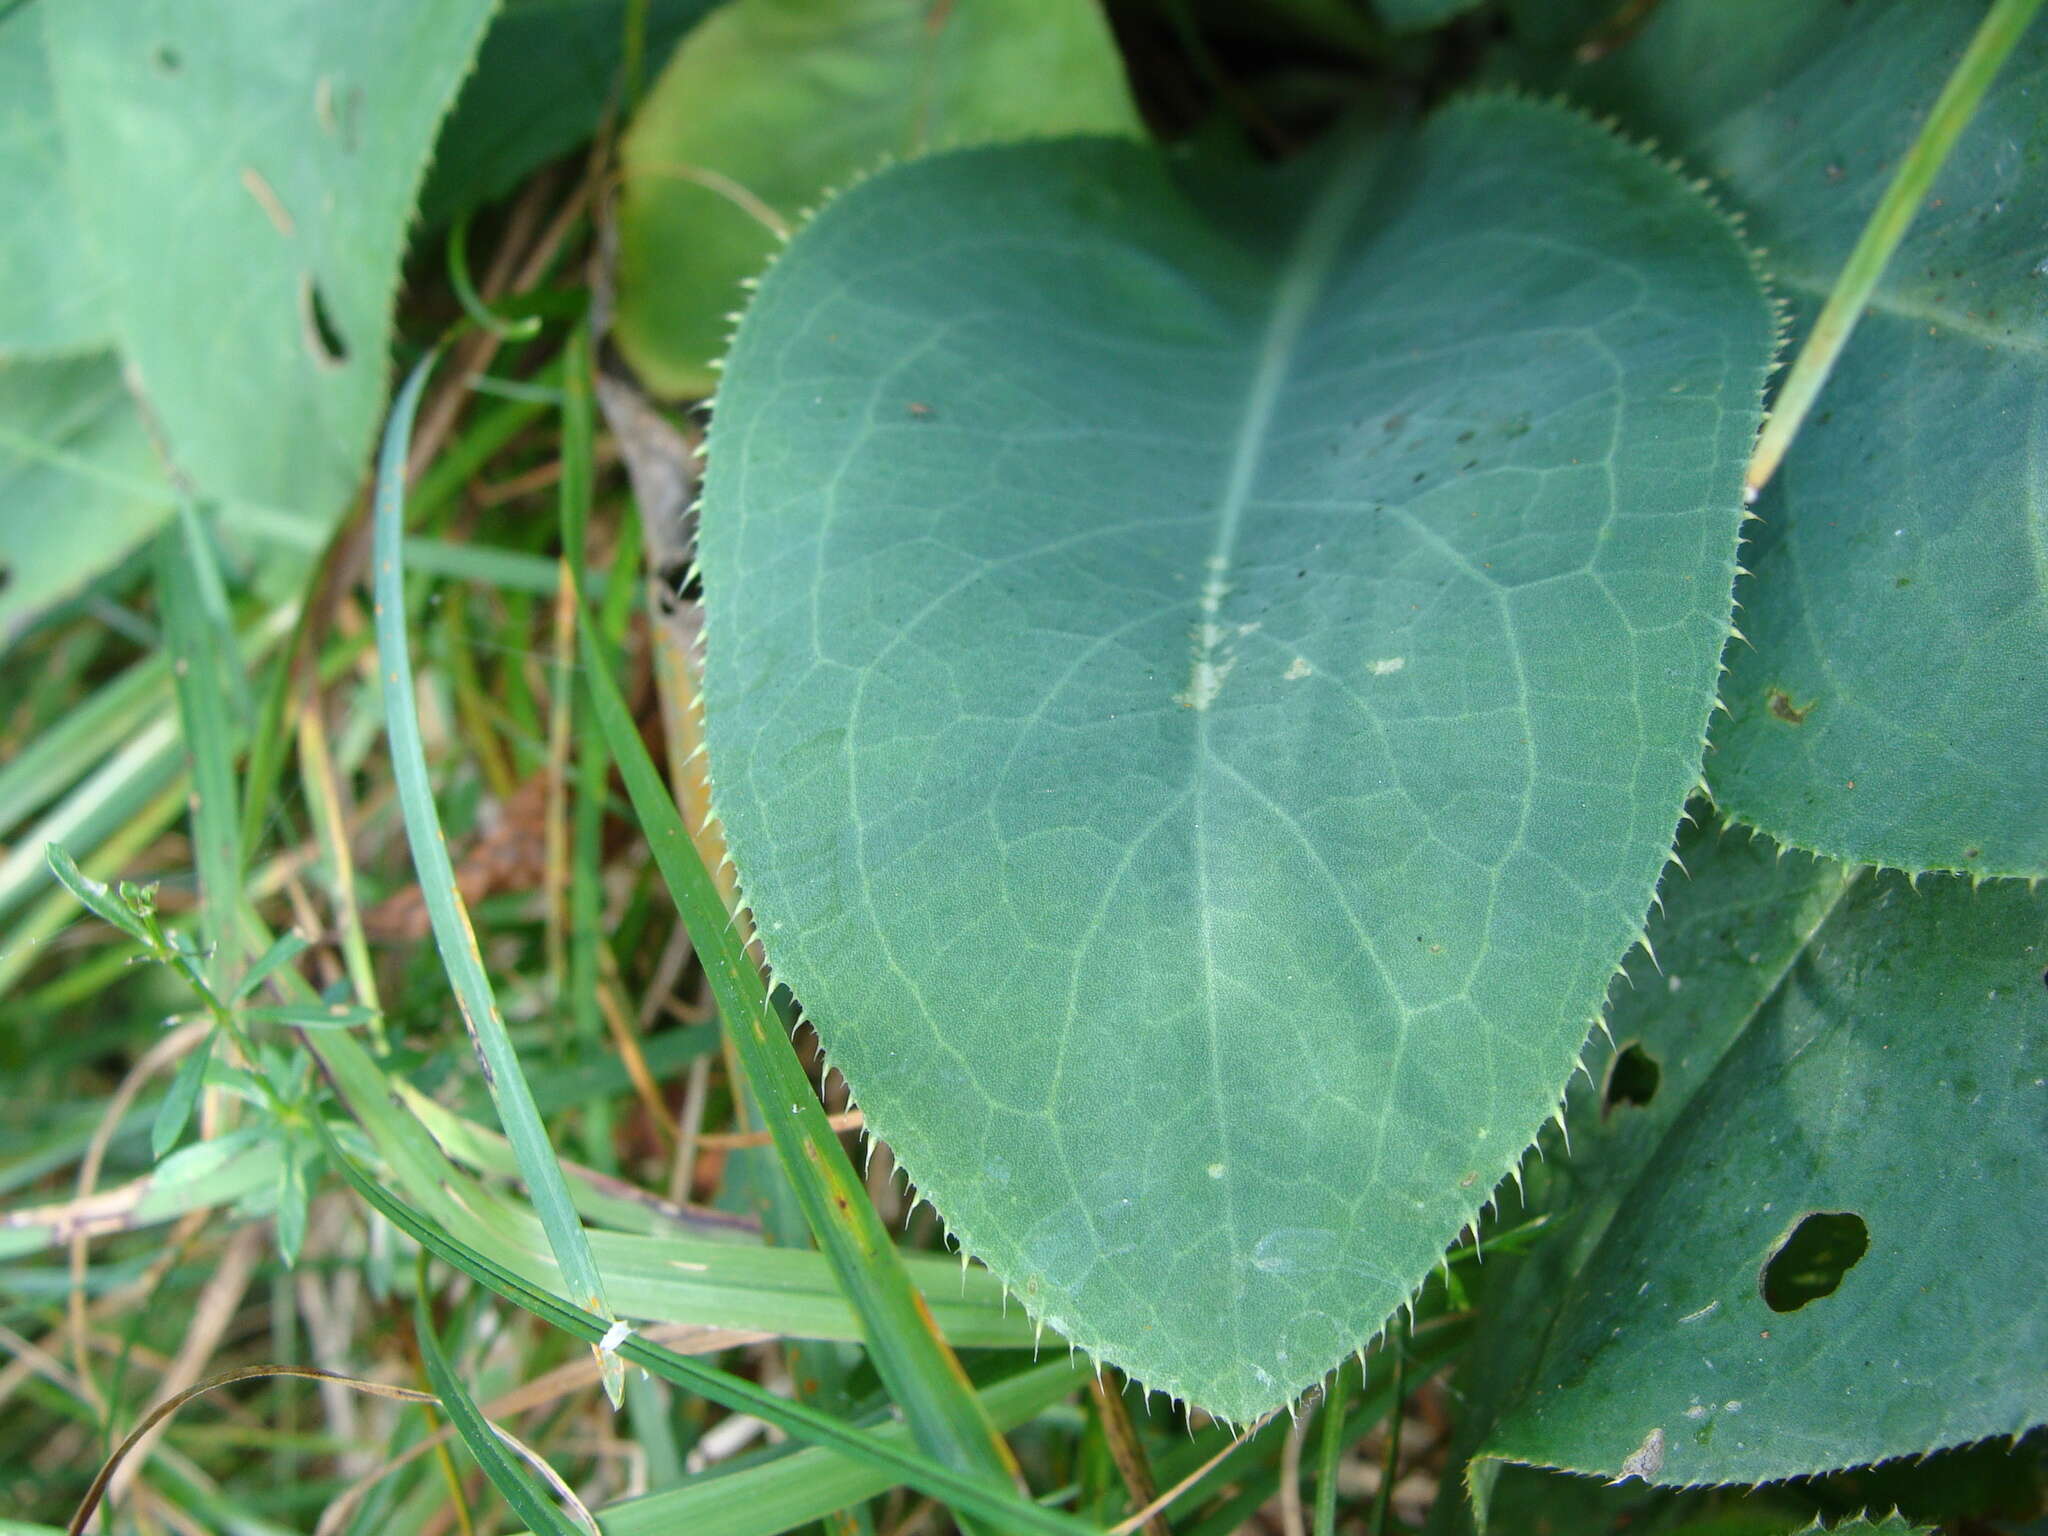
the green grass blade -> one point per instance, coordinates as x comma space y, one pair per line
506, 1475
807, 1485
445, 908
221, 1172
185, 575
964, 1492
919, 1370
97, 806
592, 764
1996, 37
65, 748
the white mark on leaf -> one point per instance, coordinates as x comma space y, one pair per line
1647, 1460
1212, 659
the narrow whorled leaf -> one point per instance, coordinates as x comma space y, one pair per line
1203, 671
244, 183
175, 1113
287, 948
770, 104
293, 1195
95, 895
1878, 1116
1892, 708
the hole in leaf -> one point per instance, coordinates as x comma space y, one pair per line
1632, 1078
323, 338
1810, 1263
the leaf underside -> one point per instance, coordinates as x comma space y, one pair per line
1202, 672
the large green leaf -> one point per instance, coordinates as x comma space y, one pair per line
1893, 707
1886, 1096
546, 73
79, 485
49, 301
771, 103
1727, 936
244, 184
1202, 674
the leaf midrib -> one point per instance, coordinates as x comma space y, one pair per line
1304, 277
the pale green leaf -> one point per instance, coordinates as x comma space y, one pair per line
1202, 673
49, 301
771, 104
245, 183
1892, 1081
79, 485
1893, 707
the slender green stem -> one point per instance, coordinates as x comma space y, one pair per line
1996, 37
1383, 1505
199, 680
472, 302
1329, 1451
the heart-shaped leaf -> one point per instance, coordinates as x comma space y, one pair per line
1203, 669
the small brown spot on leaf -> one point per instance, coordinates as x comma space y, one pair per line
1782, 706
